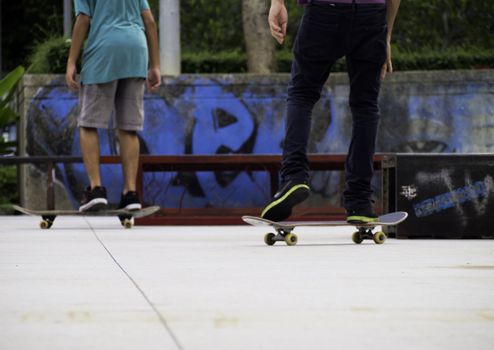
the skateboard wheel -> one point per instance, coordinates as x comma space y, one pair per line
379, 237
291, 239
357, 237
127, 223
269, 238
45, 224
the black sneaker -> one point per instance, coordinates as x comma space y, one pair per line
361, 216
291, 194
94, 199
130, 201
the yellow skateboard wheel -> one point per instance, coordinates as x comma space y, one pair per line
269, 238
357, 237
127, 223
291, 239
45, 224
379, 237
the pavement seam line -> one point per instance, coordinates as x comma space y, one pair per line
150, 303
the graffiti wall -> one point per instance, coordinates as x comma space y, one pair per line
242, 114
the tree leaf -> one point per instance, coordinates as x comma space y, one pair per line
8, 83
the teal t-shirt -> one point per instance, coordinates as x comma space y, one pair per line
116, 47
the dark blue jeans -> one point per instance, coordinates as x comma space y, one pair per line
326, 34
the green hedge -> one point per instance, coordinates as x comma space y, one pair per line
217, 62
446, 59
233, 62
51, 57
236, 62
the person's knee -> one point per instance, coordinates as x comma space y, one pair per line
304, 95
366, 107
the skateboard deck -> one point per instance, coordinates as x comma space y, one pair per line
125, 216
365, 230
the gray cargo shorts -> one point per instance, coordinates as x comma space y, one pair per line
122, 100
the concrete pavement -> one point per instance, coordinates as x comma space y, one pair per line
89, 284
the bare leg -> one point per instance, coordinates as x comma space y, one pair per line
90, 153
129, 152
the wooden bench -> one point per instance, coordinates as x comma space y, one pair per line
233, 162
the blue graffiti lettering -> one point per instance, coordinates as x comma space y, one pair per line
448, 200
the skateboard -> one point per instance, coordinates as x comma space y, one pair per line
365, 231
125, 216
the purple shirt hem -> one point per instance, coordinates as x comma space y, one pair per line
303, 2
